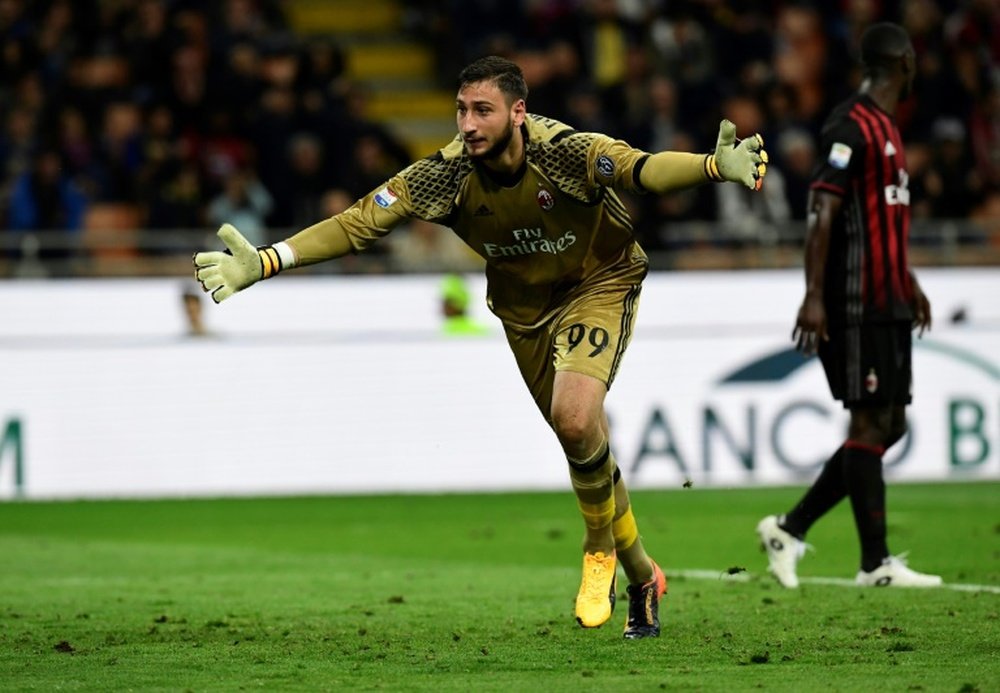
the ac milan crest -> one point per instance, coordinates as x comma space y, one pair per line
545, 199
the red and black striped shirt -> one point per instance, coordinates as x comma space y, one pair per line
867, 277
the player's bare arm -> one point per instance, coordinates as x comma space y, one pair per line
811, 322
921, 307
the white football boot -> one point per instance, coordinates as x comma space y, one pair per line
894, 573
783, 551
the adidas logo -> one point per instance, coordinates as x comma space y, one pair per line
889, 149
483, 211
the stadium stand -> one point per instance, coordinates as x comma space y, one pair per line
153, 106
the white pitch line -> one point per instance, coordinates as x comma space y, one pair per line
695, 574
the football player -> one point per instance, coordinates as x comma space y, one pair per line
539, 202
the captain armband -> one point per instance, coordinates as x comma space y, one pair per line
712, 169
274, 259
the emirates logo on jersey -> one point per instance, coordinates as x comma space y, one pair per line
545, 200
871, 382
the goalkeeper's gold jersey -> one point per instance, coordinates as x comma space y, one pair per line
558, 230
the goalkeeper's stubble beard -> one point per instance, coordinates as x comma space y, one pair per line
498, 148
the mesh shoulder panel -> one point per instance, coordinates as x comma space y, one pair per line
433, 183
564, 159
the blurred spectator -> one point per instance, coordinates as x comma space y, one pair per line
951, 182
352, 125
75, 142
321, 81
607, 34
795, 158
119, 154
44, 198
658, 127
175, 202
240, 83
19, 54
984, 136
584, 110
188, 90
333, 202
373, 165
918, 163
170, 188
272, 129
800, 61
421, 246
18, 142
219, 150
683, 50
307, 181
751, 216
245, 204
149, 40
551, 77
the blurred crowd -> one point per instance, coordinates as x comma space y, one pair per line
180, 114
176, 114
661, 73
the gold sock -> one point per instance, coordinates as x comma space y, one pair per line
632, 555
594, 489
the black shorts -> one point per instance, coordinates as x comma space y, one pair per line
870, 365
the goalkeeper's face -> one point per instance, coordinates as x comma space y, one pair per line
485, 120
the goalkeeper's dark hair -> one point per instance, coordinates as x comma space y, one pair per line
883, 45
502, 72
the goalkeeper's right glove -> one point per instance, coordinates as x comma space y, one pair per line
222, 274
738, 161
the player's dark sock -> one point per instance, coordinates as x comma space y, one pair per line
828, 490
866, 487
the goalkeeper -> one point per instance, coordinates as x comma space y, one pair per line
537, 200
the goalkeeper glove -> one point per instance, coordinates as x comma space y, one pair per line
222, 274
738, 161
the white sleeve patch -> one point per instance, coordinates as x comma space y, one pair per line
840, 155
385, 198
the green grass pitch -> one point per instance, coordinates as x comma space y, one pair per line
475, 593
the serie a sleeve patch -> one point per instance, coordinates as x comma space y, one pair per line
385, 198
840, 155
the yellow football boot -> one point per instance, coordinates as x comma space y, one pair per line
596, 599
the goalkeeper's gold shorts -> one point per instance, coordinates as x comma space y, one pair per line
588, 335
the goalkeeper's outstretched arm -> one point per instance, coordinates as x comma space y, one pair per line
224, 273
739, 161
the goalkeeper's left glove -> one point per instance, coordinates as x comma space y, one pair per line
739, 161
222, 274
